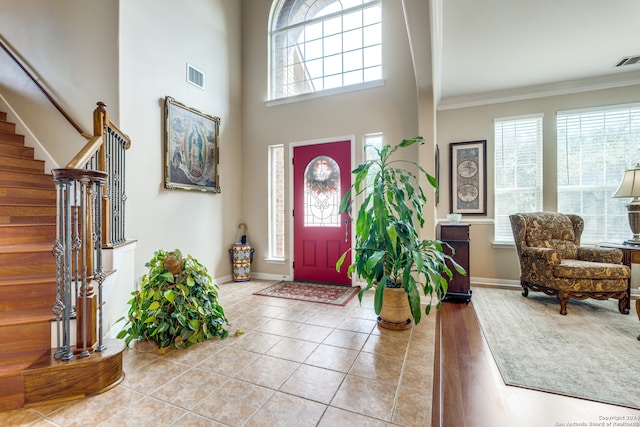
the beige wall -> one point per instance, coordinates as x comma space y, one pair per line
132, 54
391, 109
157, 39
72, 47
476, 123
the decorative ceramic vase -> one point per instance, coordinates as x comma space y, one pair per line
395, 313
241, 260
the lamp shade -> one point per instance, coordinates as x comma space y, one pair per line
630, 185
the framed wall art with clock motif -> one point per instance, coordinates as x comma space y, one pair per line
468, 180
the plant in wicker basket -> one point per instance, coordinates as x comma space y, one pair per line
176, 305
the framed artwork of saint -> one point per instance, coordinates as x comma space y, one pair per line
191, 148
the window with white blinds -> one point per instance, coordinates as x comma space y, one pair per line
595, 147
518, 170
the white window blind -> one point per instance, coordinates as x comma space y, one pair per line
595, 147
518, 171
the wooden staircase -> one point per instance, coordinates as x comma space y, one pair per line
28, 372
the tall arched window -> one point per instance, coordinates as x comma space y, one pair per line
324, 44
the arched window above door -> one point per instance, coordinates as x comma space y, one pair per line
316, 45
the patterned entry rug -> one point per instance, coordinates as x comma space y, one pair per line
591, 353
312, 292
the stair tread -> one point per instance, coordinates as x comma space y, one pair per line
13, 364
27, 280
34, 172
14, 156
31, 202
25, 317
6, 139
31, 196
29, 164
27, 247
25, 201
25, 187
7, 174
31, 224
27, 172
3, 133
16, 150
27, 159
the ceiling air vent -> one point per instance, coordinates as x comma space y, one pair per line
195, 76
628, 60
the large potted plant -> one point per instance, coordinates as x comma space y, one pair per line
388, 252
176, 305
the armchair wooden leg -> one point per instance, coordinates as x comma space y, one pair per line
525, 289
563, 303
638, 311
623, 305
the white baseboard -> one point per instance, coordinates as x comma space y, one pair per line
267, 276
223, 279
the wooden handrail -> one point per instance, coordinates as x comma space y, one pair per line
79, 175
91, 147
120, 133
21, 63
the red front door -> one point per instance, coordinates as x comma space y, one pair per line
321, 175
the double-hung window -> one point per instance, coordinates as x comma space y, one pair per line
595, 147
317, 45
518, 170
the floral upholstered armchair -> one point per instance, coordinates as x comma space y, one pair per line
552, 260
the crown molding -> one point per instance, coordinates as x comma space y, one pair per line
541, 91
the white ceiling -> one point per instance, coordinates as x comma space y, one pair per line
491, 50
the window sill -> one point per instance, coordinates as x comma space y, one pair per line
503, 245
272, 260
322, 93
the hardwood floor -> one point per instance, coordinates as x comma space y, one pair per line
469, 391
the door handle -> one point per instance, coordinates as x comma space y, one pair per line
346, 231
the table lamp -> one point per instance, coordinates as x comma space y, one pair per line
630, 187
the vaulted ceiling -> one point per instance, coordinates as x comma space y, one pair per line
472, 52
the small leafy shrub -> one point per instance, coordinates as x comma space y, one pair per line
177, 304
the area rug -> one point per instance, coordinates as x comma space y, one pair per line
591, 353
311, 292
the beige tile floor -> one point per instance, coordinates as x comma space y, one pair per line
297, 364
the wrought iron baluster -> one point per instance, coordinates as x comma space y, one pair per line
98, 274
58, 251
83, 256
67, 274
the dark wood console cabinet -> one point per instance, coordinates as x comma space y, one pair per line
457, 236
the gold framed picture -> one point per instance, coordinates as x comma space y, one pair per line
191, 148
